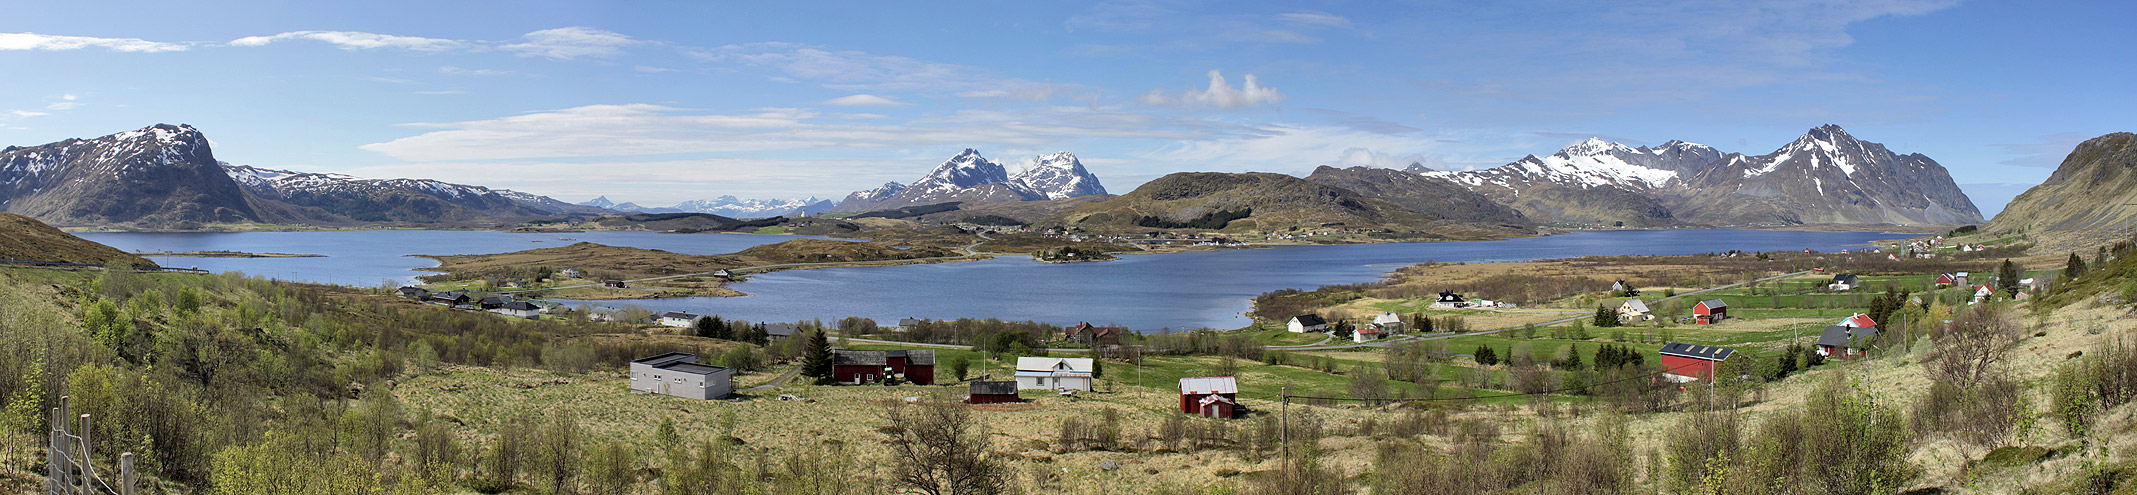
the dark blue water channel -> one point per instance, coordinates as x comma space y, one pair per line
1153, 293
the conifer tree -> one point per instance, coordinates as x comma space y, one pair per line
1604, 317
816, 358
2074, 268
2007, 278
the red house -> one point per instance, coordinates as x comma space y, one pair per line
858, 367
1846, 342
1686, 362
993, 392
1210, 396
1946, 279
1710, 311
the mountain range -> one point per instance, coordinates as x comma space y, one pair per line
971, 178
1824, 177
726, 206
166, 177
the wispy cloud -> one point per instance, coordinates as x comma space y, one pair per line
356, 40
1220, 94
864, 100
857, 70
64, 102
34, 41
462, 71
2045, 152
1315, 18
567, 43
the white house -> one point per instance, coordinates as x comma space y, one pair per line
1308, 323
680, 375
678, 319
1634, 310
1450, 300
1046, 373
518, 309
1388, 322
1367, 334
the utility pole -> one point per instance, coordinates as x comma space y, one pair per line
1283, 444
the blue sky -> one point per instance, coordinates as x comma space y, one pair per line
660, 102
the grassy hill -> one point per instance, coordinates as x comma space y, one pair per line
2090, 199
1264, 203
24, 238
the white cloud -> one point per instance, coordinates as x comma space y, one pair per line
34, 41
864, 100
356, 40
854, 70
1366, 157
1315, 18
1220, 94
460, 71
651, 69
26, 113
647, 130
66, 102
567, 43
1297, 148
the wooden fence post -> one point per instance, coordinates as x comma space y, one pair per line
126, 473
88, 469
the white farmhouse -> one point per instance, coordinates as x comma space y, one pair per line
1045, 373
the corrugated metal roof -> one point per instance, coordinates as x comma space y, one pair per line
994, 388
661, 359
846, 357
1715, 303
1694, 351
1839, 336
1053, 364
1209, 385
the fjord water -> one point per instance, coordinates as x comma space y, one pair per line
1172, 292
370, 258
1153, 293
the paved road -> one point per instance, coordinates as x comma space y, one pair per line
946, 346
1437, 336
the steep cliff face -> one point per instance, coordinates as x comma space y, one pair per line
161, 176
2091, 198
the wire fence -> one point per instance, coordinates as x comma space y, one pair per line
69, 459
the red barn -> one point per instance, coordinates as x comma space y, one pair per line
1946, 279
993, 392
857, 367
1210, 396
1710, 311
1686, 362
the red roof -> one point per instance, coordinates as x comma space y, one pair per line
1858, 321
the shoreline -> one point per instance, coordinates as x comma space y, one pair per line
225, 254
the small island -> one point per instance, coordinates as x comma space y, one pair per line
227, 254
1071, 254
592, 271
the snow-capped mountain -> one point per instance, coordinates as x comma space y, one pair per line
166, 177
394, 200
729, 206
1824, 177
969, 177
160, 176
1055, 176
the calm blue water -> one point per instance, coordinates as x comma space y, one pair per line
1145, 292
369, 258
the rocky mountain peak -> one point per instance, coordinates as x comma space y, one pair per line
1593, 146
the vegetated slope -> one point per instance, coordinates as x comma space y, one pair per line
1021, 212
666, 221
827, 251
1425, 195
627, 261
1261, 202
335, 199
26, 239
2091, 197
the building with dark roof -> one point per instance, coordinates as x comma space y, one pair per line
1710, 311
679, 374
858, 367
1307, 323
1846, 342
993, 392
1686, 362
